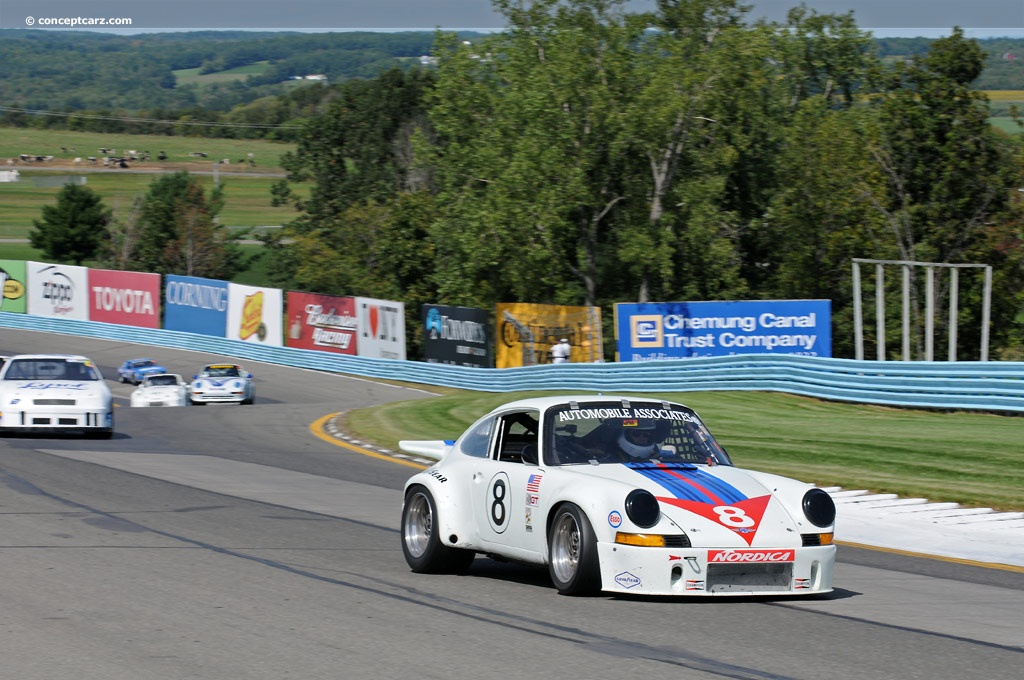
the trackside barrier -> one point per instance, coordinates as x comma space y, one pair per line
964, 385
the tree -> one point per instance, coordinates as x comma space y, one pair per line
178, 232
73, 229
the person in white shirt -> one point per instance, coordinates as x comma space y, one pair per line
560, 351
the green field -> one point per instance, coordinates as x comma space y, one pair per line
65, 146
191, 76
246, 199
970, 458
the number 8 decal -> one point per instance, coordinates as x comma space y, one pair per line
733, 517
497, 510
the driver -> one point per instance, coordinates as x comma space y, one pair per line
638, 439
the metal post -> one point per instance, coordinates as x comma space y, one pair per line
954, 294
986, 313
858, 320
906, 312
929, 315
880, 309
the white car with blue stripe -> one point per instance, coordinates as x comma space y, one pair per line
222, 383
54, 393
615, 494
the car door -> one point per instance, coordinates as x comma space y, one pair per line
506, 495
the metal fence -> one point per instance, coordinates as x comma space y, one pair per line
962, 385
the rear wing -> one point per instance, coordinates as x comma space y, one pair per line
428, 448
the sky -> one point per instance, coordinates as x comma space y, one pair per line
884, 18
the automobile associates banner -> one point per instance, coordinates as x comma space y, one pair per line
683, 330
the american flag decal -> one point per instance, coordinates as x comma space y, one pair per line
533, 483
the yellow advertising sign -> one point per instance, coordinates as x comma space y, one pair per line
527, 332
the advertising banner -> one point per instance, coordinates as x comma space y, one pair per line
381, 328
195, 305
126, 298
255, 314
60, 290
683, 330
456, 336
323, 322
14, 283
526, 333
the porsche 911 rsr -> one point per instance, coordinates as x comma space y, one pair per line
617, 494
54, 393
222, 383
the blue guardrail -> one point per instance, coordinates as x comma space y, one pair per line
962, 385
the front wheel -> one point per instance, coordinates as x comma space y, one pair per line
572, 553
421, 543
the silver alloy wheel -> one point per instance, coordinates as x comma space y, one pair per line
565, 547
419, 522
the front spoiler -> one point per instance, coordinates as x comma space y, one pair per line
685, 571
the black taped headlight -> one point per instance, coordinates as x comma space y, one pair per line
642, 508
819, 508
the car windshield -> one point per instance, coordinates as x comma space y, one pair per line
51, 369
222, 372
146, 363
160, 380
628, 431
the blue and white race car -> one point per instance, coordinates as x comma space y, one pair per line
615, 494
134, 370
54, 393
222, 383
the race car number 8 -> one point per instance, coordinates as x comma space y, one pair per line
497, 513
733, 517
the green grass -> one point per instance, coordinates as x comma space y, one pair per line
190, 76
246, 199
969, 458
65, 146
1008, 125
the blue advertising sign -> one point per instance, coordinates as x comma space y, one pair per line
683, 330
196, 305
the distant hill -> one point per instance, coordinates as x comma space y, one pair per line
167, 75
74, 71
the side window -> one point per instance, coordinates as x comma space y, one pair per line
518, 437
475, 442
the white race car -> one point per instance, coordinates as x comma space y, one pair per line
54, 393
222, 383
162, 389
620, 494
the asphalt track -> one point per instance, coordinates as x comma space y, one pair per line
251, 542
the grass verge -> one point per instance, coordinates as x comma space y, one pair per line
969, 458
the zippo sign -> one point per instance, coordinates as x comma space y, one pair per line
684, 330
323, 322
58, 290
127, 298
381, 328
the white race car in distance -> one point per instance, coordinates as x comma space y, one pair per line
222, 383
615, 494
54, 393
161, 389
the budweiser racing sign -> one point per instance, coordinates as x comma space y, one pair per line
738, 556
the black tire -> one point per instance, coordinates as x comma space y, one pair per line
421, 544
572, 553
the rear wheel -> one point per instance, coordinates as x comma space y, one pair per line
421, 543
572, 553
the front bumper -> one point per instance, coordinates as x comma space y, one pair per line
690, 571
53, 420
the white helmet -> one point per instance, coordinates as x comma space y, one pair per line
639, 440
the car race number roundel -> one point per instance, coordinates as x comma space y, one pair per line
498, 502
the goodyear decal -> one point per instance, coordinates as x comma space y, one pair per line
690, 483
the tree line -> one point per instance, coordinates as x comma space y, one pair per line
588, 155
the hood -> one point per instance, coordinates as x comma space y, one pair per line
53, 389
719, 505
